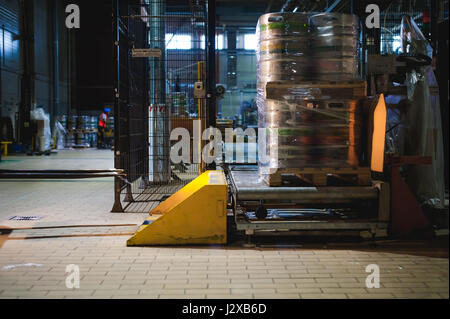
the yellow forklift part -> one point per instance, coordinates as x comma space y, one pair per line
378, 135
196, 214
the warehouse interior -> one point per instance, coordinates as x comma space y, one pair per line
215, 149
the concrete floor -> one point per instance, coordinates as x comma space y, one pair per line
36, 267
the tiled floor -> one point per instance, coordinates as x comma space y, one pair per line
36, 268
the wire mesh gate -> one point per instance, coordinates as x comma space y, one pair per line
155, 94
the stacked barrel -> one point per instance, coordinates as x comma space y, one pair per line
301, 53
83, 131
283, 47
93, 131
335, 46
71, 131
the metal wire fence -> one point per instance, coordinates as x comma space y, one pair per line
391, 22
386, 40
158, 96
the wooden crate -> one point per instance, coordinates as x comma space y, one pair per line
318, 176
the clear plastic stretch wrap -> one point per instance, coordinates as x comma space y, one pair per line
283, 47
335, 46
43, 135
312, 134
59, 134
313, 129
422, 131
395, 124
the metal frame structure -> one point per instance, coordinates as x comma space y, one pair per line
27, 85
60, 174
155, 94
130, 99
248, 193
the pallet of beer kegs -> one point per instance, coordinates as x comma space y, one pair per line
81, 130
311, 100
318, 127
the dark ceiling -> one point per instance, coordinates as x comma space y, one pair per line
241, 13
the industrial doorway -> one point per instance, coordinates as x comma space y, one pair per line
160, 53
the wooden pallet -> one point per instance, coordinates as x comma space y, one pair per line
82, 131
318, 176
349, 90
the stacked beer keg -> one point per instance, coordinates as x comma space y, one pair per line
93, 131
82, 132
71, 131
314, 130
335, 46
283, 47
